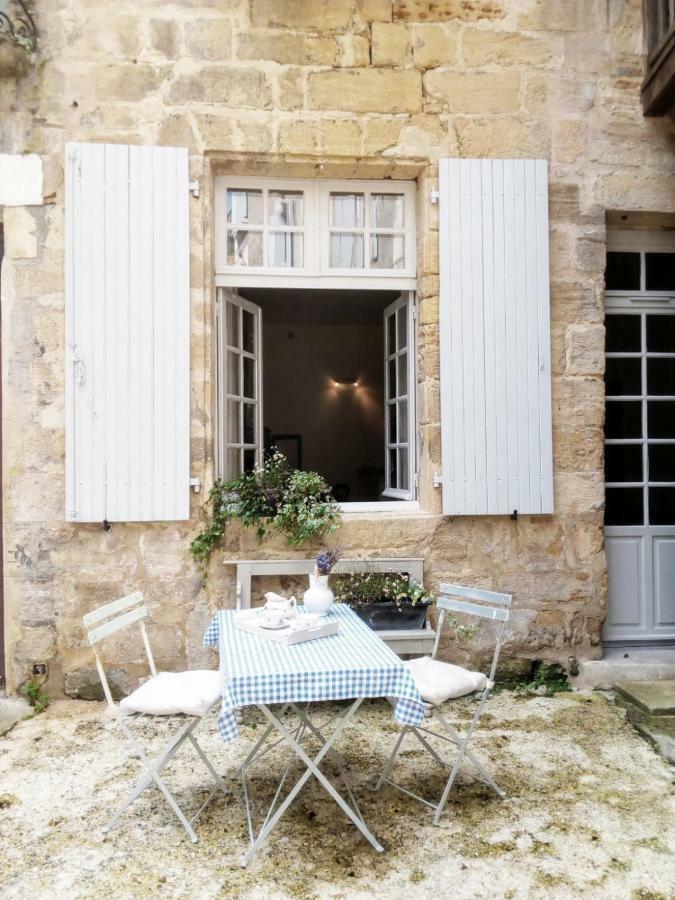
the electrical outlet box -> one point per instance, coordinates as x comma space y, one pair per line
39, 669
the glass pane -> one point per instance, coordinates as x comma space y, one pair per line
402, 328
391, 333
623, 506
248, 321
392, 423
249, 423
233, 386
244, 207
392, 469
661, 334
392, 378
249, 377
387, 251
244, 248
661, 418
660, 271
403, 468
661, 376
387, 210
662, 506
622, 334
623, 462
623, 376
346, 210
622, 272
402, 374
285, 248
285, 207
249, 460
232, 325
346, 251
403, 422
232, 464
661, 462
623, 419
233, 424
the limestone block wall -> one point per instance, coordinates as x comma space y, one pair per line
341, 88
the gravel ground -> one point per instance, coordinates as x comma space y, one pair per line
589, 811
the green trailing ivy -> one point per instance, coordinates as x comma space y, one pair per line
274, 498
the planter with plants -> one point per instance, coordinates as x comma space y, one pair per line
385, 601
274, 498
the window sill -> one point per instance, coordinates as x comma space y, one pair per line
388, 509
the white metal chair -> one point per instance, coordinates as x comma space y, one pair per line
183, 697
440, 683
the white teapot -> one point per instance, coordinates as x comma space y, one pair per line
281, 605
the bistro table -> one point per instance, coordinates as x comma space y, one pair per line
350, 665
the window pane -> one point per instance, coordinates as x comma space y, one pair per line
403, 422
233, 423
393, 469
623, 376
661, 462
285, 248
622, 334
661, 418
249, 423
392, 423
402, 328
232, 324
660, 271
249, 377
232, 464
623, 419
661, 334
244, 248
623, 462
387, 210
249, 460
662, 506
346, 210
285, 207
244, 207
346, 251
661, 376
233, 386
623, 506
622, 272
391, 333
387, 251
402, 374
403, 468
392, 378
248, 322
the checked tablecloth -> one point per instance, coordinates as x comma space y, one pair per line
355, 662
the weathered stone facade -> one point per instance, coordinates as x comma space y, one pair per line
368, 88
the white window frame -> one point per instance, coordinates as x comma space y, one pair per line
625, 240
316, 272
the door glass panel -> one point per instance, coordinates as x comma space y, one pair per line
244, 248
232, 463
249, 423
346, 210
622, 334
285, 207
248, 321
392, 378
403, 422
393, 482
233, 424
661, 418
661, 334
402, 328
662, 505
249, 460
392, 423
249, 377
623, 506
622, 272
285, 248
232, 325
403, 468
233, 386
346, 251
661, 376
386, 210
661, 462
387, 251
623, 462
623, 377
623, 419
391, 334
244, 207
660, 271
402, 374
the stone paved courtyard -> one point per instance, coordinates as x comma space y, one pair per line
589, 812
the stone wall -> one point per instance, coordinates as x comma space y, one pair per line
368, 88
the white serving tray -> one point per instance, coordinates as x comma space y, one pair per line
297, 630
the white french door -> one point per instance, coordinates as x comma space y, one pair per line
399, 410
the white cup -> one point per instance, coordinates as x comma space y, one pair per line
274, 617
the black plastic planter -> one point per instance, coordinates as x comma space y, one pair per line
387, 616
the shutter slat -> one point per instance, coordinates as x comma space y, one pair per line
494, 333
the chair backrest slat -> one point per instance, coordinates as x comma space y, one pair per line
473, 609
471, 593
108, 628
104, 612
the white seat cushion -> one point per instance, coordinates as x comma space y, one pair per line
190, 693
438, 681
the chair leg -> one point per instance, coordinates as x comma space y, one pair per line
470, 755
386, 772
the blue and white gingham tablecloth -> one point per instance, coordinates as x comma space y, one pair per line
355, 662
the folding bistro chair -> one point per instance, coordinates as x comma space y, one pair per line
182, 698
439, 683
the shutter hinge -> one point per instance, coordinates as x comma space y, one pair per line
435, 195
196, 484
438, 479
194, 187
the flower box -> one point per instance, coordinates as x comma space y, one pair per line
387, 615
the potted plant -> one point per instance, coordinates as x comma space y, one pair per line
385, 601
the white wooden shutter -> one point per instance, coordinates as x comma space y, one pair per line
127, 333
495, 337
